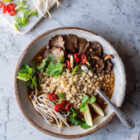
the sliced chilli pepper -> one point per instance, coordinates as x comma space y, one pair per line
58, 108
68, 106
11, 7
1, 4
4, 9
64, 103
83, 59
52, 96
68, 64
77, 58
12, 12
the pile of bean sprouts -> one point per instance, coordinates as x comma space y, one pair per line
45, 108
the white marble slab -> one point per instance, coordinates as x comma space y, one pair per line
116, 20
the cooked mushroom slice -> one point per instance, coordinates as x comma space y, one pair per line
95, 49
109, 66
108, 57
57, 52
57, 41
99, 64
82, 45
71, 43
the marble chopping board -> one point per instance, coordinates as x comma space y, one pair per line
9, 20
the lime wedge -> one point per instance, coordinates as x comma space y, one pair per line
88, 117
98, 109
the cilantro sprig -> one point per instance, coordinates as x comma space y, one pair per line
55, 69
86, 100
75, 121
27, 74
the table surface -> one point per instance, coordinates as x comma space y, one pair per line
116, 20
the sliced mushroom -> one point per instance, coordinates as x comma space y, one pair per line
82, 45
57, 52
99, 64
108, 57
95, 49
71, 43
109, 66
57, 41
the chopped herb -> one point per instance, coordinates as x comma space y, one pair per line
61, 97
24, 14
74, 112
55, 69
84, 125
26, 73
83, 107
85, 99
45, 62
76, 68
92, 100
74, 120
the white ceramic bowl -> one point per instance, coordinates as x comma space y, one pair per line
75, 131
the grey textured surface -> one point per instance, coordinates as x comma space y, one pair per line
116, 20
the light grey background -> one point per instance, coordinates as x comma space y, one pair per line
116, 20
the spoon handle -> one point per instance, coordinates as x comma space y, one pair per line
127, 122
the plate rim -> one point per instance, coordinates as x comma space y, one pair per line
18, 97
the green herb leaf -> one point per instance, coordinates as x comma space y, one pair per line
61, 95
85, 99
25, 73
74, 120
76, 68
34, 82
45, 62
60, 59
92, 100
33, 13
84, 125
83, 107
55, 69
74, 113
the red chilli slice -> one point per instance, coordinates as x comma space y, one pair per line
12, 12
58, 108
68, 106
68, 64
1, 4
4, 9
52, 96
83, 59
77, 58
11, 7
64, 103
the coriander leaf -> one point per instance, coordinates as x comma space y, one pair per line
83, 107
34, 82
33, 13
60, 100
84, 125
55, 69
61, 95
76, 68
92, 100
85, 99
25, 73
74, 120
46, 61
60, 59
74, 112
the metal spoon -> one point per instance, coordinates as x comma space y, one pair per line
127, 122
